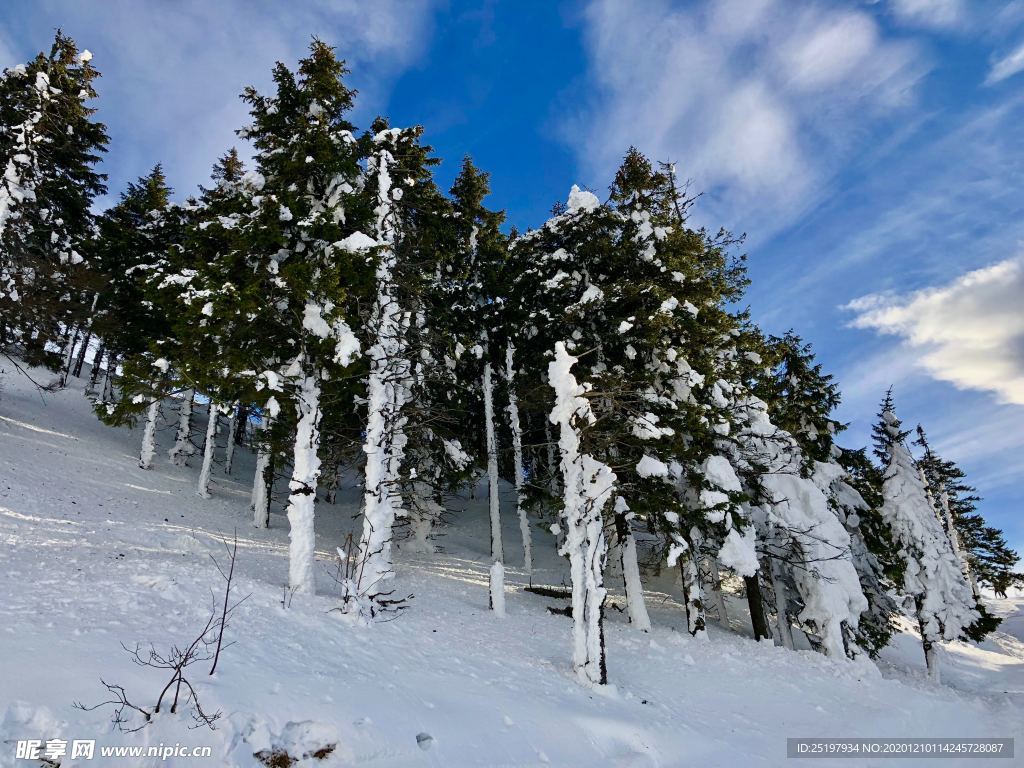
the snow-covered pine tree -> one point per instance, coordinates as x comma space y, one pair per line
671, 289
481, 335
589, 487
49, 146
208, 241
406, 205
801, 399
594, 279
561, 310
978, 547
131, 235
137, 241
431, 282
936, 473
932, 579
802, 542
297, 240
880, 554
800, 395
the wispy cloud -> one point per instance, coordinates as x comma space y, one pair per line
934, 14
7, 57
942, 199
173, 71
759, 101
969, 332
1006, 66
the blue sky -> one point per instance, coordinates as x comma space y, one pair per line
871, 151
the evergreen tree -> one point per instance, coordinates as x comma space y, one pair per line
481, 338
131, 235
801, 399
932, 577
136, 240
801, 396
982, 551
804, 549
882, 438
49, 146
407, 206
858, 500
649, 425
277, 287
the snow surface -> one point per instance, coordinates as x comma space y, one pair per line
97, 552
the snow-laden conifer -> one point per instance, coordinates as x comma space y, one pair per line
589, 487
49, 146
932, 576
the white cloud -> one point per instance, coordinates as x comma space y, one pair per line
969, 332
933, 14
172, 72
759, 101
1007, 66
7, 57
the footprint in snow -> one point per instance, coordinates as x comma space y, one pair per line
425, 741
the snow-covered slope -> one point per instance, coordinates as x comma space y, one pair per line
97, 553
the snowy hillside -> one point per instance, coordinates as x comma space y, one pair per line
98, 553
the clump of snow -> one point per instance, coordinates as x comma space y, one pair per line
649, 466
313, 321
357, 242
582, 200
738, 552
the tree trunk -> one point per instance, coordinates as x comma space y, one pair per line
635, 604
781, 600
492, 466
715, 590
497, 555
497, 590
302, 488
229, 454
692, 601
80, 360
183, 438
333, 481
69, 354
149, 436
203, 489
552, 468
758, 617
517, 463
423, 510
262, 486
588, 486
108, 380
241, 422
94, 373
931, 659
380, 500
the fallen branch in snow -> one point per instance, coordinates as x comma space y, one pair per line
177, 660
205, 646
559, 593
